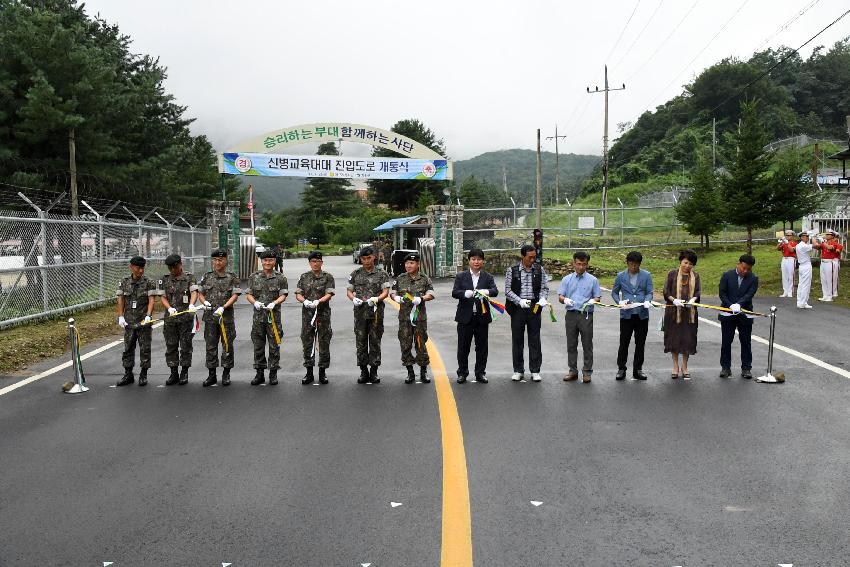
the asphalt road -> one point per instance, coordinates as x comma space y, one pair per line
706, 472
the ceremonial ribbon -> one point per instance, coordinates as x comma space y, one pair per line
274, 328
552, 318
491, 302
315, 323
223, 332
166, 317
715, 307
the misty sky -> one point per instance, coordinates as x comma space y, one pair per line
483, 75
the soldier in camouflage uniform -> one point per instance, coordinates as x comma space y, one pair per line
178, 292
367, 288
418, 286
219, 290
315, 290
135, 305
267, 289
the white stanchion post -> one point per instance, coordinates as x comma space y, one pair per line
770, 376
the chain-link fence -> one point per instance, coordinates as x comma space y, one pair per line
53, 264
570, 228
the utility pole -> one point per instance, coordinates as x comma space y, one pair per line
557, 165
72, 158
504, 179
539, 175
713, 143
605, 148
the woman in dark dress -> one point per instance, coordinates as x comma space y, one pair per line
681, 288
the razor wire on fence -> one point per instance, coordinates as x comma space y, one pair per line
51, 264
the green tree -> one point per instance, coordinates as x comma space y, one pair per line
748, 197
700, 213
403, 194
326, 196
795, 198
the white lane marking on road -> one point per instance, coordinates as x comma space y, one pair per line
785, 564
395, 504
365, 564
792, 352
737, 509
107, 563
161, 386
535, 502
226, 564
62, 366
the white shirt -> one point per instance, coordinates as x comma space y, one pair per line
475, 278
804, 251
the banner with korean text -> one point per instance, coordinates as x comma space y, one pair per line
273, 165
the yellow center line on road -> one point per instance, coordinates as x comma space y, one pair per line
456, 550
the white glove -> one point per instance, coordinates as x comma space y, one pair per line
122, 322
735, 308
542, 302
484, 292
219, 312
678, 302
468, 294
357, 301
624, 302
309, 304
207, 304
146, 320
692, 300
192, 308
398, 299
647, 304
257, 306
417, 300
372, 301
270, 306
171, 311
525, 303
569, 302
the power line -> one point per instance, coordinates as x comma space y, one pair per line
622, 32
780, 62
701, 51
640, 33
785, 26
663, 43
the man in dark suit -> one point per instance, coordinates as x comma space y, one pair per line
737, 289
473, 315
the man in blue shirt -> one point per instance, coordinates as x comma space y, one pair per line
633, 292
576, 292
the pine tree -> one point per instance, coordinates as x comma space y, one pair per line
795, 198
747, 195
700, 213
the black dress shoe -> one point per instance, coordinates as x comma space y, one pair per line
725, 373
746, 374
126, 379
323, 379
638, 375
481, 378
621, 374
461, 379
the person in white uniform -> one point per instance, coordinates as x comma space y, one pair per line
804, 261
786, 245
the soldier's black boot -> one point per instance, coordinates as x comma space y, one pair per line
173, 378
273, 376
423, 374
127, 378
364, 375
323, 379
259, 378
308, 378
373, 375
184, 376
211, 379
225, 377
411, 377
143, 377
